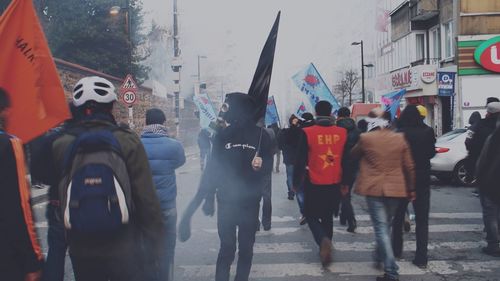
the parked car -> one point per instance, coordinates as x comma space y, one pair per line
449, 163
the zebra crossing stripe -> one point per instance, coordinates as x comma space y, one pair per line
346, 269
366, 229
360, 218
303, 247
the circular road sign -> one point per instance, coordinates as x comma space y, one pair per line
129, 97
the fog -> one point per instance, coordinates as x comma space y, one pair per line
231, 34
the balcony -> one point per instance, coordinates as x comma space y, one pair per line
423, 10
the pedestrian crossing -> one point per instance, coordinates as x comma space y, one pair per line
288, 252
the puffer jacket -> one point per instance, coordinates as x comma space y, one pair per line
165, 155
146, 222
386, 165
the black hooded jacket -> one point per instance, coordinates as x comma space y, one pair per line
488, 167
353, 134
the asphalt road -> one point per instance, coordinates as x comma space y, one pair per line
288, 252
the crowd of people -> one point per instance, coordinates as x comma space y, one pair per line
112, 196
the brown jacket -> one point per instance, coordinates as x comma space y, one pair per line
386, 165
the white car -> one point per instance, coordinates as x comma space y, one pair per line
449, 162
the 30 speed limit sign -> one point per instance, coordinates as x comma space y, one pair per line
129, 97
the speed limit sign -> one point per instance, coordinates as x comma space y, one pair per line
129, 97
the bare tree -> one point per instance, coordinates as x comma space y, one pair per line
345, 87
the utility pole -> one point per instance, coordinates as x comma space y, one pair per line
176, 68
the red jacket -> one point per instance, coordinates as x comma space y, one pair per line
326, 149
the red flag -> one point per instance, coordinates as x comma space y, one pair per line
28, 74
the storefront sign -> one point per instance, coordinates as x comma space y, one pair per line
488, 54
446, 83
402, 78
428, 76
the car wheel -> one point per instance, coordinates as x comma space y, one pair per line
460, 175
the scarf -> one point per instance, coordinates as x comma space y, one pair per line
156, 129
374, 123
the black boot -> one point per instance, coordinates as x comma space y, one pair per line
352, 225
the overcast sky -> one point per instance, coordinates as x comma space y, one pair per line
231, 33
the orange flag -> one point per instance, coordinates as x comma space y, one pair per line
28, 74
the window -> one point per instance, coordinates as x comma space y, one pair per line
435, 43
420, 50
447, 48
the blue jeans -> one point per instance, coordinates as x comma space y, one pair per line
491, 217
53, 269
382, 210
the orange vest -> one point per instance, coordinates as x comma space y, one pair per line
326, 147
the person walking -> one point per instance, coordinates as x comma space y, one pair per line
421, 140
321, 150
236, 171
487, 170
267, 189
205, 145
165, 155
21, 257
346, 211
477, 135
110, 209
288, 143
386, 178
42, 168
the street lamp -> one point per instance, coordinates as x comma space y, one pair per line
114, 11
363, 65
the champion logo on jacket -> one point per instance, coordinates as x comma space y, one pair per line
326, 147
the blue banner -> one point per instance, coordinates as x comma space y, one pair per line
446, 84
271, 112
391, 101
301, 110
207, 112
310, 82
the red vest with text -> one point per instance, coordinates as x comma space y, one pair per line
326, 147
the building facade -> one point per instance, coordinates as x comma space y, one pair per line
478, 45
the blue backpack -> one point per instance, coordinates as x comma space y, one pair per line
95, 190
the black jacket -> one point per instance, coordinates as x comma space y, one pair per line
19, 249
476, 138
353, 134
229, 172
488, 167
288, 141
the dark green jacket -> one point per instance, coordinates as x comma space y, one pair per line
146, 224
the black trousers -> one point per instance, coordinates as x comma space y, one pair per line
236, 224
346, 209
267, 207
422, 208
320, 203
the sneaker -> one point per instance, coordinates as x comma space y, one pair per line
291, 197
386, 278
267, 228
325, 252
491, 251
407, 226
302, 220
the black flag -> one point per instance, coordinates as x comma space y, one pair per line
259, 89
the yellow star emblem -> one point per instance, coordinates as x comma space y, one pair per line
328, 157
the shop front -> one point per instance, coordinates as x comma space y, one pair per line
478, 73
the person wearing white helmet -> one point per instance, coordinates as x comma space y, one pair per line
99, 250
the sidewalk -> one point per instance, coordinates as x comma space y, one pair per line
40, 195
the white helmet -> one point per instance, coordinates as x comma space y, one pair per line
93, 88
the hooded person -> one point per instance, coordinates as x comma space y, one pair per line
347, 212
235, 174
